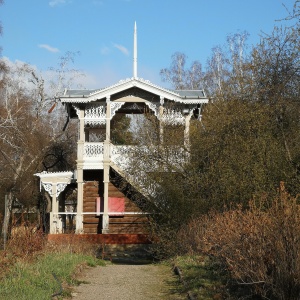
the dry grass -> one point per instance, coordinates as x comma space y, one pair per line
32, 268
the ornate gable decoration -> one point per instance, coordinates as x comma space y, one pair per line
153, 107
172, 117
114, 106
95, 114
54, 182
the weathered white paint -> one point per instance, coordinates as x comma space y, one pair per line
54, 183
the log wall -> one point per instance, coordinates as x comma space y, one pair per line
126, 224
91, 223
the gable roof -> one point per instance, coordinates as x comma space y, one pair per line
181, 96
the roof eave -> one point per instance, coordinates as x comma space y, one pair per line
128, 83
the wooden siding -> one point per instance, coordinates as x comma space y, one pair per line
127, 224
91, 223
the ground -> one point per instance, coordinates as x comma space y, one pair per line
128, 282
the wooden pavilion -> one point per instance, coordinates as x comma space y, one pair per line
102, 206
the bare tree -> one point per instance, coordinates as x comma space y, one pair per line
179, 76
27, 135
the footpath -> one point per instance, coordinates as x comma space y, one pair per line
128, 282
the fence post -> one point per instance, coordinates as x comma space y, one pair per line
5, 222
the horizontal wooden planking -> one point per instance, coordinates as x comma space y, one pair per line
91, 187
90, 216
132, 224
89, 207
90, 192
90, 200
90, 203
129, 219
90, 219
91, 183
115, 194
88, 225
90, 231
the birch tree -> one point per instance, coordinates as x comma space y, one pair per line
179, 76
30, 138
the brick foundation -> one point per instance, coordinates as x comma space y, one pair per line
119, 239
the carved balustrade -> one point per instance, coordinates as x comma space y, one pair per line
96, 153
93, 150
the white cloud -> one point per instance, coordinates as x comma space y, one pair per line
49, 48
53, 3
122, 49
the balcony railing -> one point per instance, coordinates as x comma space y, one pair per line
95, 150
93, 155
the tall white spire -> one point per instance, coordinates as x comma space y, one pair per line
135, 52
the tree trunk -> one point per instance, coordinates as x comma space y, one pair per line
6, 219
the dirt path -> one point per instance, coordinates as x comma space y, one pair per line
128, 282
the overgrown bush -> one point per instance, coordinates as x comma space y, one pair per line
259, 246
24, 243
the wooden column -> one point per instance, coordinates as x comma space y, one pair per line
161, 127
55, 183
80, 148
187, 131
55, 221
106, 166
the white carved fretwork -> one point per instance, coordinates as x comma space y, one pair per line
50, 179
172, 117
134, 106
153, 107
95, 114
60, 188
93, 149
48, 188
76, 109
162, 100
114, 106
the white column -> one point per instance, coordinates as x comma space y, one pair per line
187, 131
161, 127
81, 138
54, 212
54, 184
79, 216
80, 151
52, 225
59, 224
106, 166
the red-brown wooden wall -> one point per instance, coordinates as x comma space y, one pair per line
127, 224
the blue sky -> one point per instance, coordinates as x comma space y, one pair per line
38, 32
